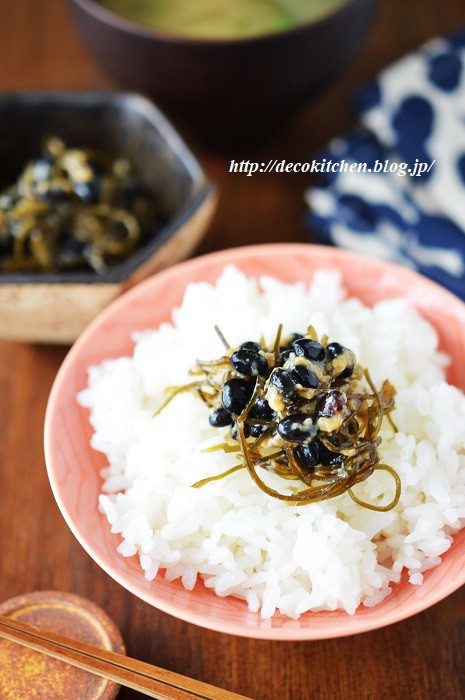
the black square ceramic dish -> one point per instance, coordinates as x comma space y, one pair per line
56, 307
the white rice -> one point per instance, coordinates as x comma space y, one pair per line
230, 534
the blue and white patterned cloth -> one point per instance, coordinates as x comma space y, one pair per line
415, 110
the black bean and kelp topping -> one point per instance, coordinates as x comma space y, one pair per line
303, 409
74, 209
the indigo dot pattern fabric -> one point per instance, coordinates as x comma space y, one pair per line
414, 112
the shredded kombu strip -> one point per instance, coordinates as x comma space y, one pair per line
302, 409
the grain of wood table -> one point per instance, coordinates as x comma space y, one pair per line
419, 658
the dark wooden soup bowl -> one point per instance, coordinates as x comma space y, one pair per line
225, 89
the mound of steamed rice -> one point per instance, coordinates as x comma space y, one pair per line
241, 542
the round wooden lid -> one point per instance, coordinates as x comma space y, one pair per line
26, 674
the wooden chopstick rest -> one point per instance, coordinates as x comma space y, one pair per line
138, 675
24, 673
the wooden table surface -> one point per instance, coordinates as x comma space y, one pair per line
423, 657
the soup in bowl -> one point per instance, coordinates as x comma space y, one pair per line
222, 19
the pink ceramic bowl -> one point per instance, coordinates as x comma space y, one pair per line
73, 467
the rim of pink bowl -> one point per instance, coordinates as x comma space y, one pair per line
336, 627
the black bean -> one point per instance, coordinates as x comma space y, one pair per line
348, 372
262, 409
284, 355
311, 455
257, 429
251, 345
236, 394
328, 457
88, 192
333, 350
298, 428
305, 377
307, 456
283, 381
330, 404
220, 418
309, 349
249, 363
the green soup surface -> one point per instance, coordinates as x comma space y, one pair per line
222, 19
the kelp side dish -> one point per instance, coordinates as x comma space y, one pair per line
222, 19
73, 210
302, 409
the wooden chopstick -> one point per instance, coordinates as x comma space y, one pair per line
152, 681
